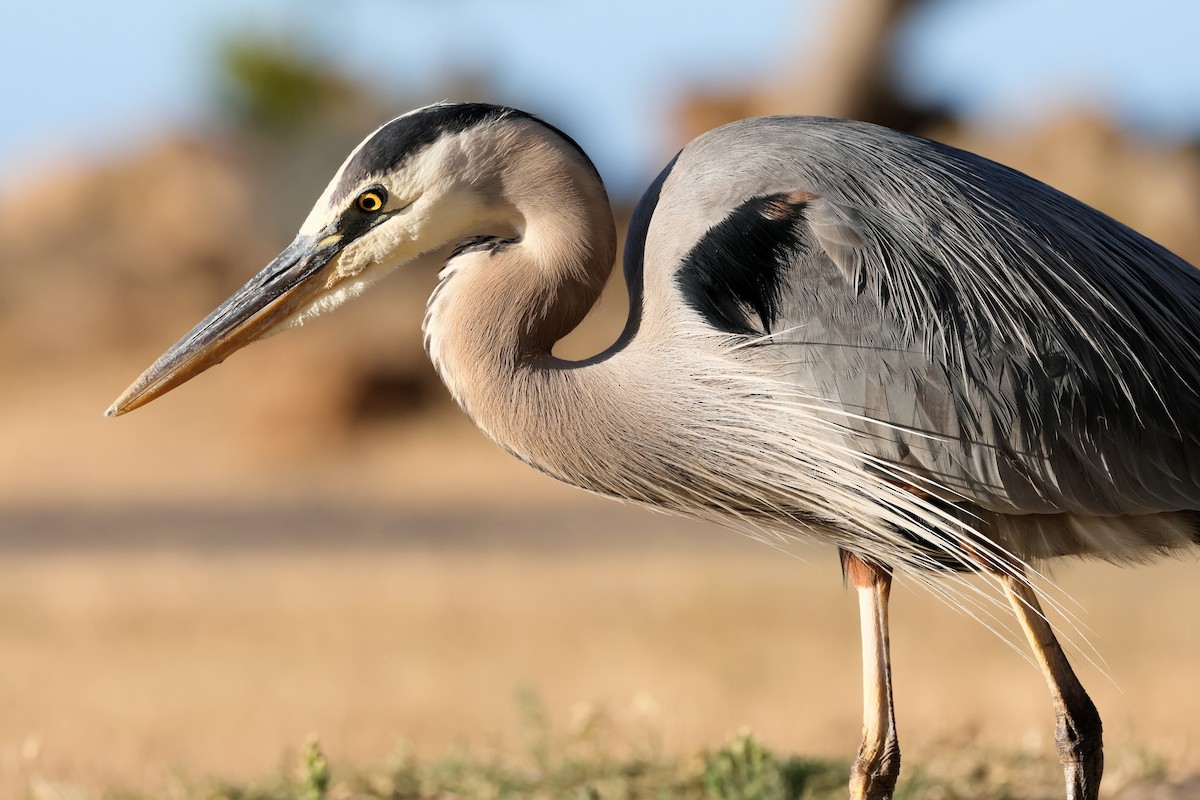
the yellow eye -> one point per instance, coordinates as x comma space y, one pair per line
371, 201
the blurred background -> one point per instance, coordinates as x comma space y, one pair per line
312, 540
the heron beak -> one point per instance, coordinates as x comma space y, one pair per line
294, 279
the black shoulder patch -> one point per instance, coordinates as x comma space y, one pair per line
737, 268
405, 136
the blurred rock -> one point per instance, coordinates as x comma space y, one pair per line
846, 73
113, 262
104, 257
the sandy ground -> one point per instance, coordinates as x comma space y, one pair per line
141, 642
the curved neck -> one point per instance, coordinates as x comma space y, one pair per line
495, 316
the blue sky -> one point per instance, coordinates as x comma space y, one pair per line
97, 77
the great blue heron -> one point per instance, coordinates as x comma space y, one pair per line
925, 358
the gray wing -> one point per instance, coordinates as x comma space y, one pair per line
1004, 342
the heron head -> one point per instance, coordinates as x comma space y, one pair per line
411, 192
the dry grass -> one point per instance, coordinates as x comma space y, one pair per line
122, 666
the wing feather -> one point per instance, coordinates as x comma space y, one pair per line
1011, 344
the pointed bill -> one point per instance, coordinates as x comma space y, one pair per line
297, 277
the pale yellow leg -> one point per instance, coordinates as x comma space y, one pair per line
875, 770
1077, 730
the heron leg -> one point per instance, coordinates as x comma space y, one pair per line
877, 766
1077, 731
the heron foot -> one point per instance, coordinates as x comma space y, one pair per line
1079, 738
875, 771
1078, 732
